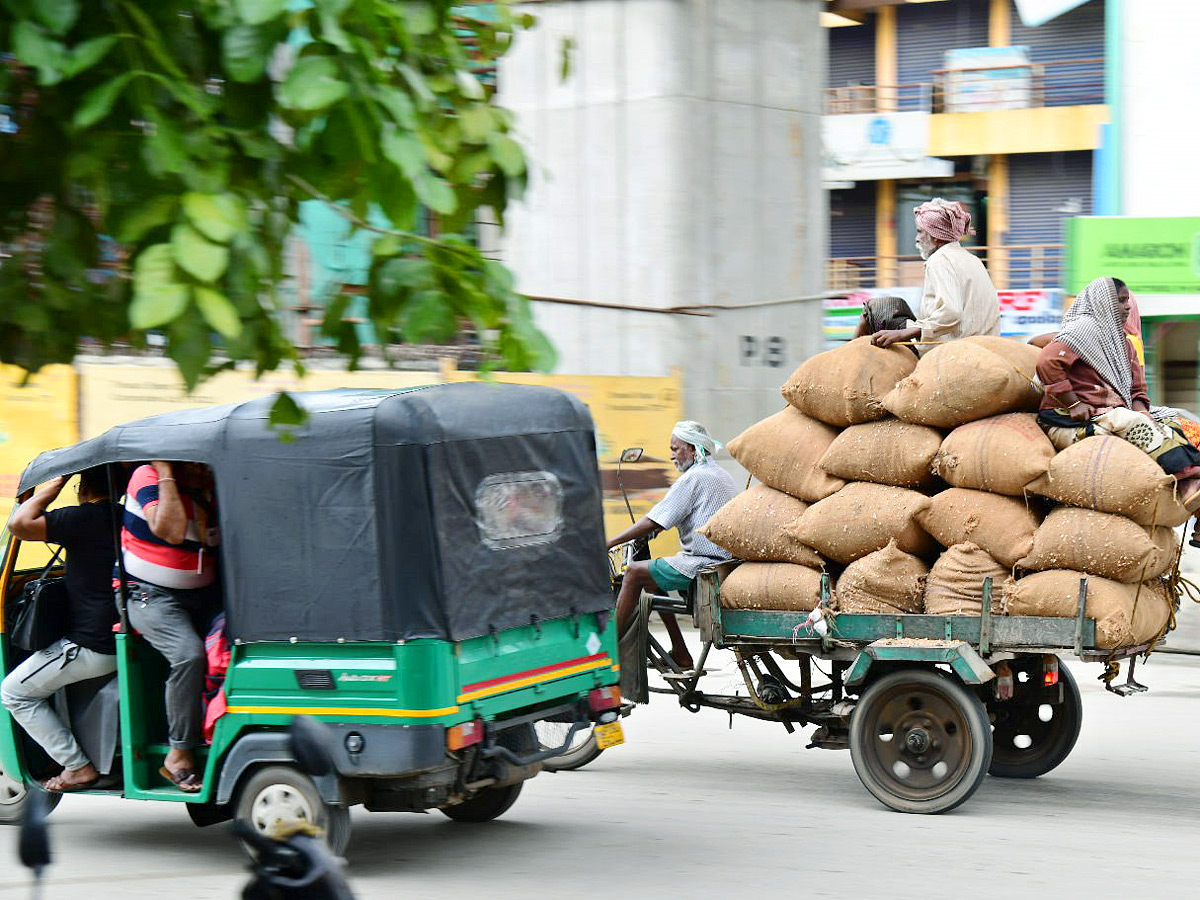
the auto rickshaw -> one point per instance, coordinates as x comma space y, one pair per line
423, 570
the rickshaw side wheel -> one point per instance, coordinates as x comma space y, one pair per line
921, 742
282, 794
583, 751
14, 797
488, 804
1031, 739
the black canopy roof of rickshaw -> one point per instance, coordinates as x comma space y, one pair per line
364, 527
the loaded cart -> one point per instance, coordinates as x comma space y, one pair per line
927, 704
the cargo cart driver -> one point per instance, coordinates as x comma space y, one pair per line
702, 489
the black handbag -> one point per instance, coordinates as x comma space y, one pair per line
38, 617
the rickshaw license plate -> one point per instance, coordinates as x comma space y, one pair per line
609, 734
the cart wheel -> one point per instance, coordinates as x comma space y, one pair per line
488, 804
1031, 739
583, 748
280, 794
14, 797
920, 741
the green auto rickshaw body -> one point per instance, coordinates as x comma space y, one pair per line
406, 562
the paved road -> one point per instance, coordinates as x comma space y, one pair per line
690, 808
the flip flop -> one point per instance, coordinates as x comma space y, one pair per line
55, 785
184, 779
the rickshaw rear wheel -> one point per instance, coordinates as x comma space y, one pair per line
277, 795
920, 741
1030, 739
488, 804
582, 751
14, 797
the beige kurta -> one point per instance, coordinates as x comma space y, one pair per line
959, 299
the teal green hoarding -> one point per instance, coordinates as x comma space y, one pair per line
1153, 256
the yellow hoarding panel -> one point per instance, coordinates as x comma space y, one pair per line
35, 417
1044, 129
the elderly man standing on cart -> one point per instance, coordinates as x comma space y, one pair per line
702, 489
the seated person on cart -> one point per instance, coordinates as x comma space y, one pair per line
702, 489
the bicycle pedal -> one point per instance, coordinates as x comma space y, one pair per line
684, 676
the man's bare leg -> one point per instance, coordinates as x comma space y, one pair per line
637, 579
679, 647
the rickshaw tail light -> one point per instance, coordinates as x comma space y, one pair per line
604, 698
464, 734
1050, 671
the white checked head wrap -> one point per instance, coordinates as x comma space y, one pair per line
697, 435
1095, 329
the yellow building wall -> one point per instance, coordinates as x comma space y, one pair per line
1045, 129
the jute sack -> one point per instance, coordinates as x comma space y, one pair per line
884, 452
782, 451
1101, 544
1126, 614
965, 380
862, 518
751, 526
1002, 527
1001, 454
771, 585
845, 386
955, 583
886, 581
1110, 475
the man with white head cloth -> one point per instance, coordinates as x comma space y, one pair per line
702, 489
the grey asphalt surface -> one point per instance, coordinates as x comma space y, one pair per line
689, 807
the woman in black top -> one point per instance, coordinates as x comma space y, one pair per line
87, 650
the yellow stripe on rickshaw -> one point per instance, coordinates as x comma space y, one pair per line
340, 711
518, 683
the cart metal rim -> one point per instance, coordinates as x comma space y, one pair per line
278, 804
11, 790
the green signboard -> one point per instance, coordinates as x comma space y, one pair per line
1153, 256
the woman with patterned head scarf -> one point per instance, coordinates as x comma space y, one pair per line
1094, 384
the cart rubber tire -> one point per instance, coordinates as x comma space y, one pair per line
14, 797
282, 793
920, 741
1052, 740
575, 757
487, 804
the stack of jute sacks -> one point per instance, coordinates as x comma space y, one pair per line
910, 483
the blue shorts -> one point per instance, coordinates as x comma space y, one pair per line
667, 577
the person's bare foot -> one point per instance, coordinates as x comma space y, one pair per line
1189, 494
180, 769
72, 779
683, 659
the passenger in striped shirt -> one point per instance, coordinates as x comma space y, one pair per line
169, 547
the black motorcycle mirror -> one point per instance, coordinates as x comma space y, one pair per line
628, 455
309, 741
33, 843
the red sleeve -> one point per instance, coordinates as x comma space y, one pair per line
1053, 365
1138, 390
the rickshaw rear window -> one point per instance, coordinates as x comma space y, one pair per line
516, 509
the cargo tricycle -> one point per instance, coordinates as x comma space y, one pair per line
422, 570
927, 704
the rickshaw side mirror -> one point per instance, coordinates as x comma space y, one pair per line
631, 454
309, 741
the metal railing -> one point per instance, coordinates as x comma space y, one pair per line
1068, 82
1024, 267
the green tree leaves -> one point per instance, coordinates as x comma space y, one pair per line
164, 151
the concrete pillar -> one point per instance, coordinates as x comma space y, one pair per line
887, 72
677, 166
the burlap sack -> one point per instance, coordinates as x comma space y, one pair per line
965, 380
886, 581
1001, 454
782, 451
751, 526
884, 452
1127, 615
955, 583
771, 585
844, 386
1101, 544
860, 519
1110, 475
1002, 527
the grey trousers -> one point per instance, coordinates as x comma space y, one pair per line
165, 619
27, 689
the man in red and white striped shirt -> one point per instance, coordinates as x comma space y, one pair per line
168, 548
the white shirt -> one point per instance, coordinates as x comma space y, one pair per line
959, 299
692, 500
